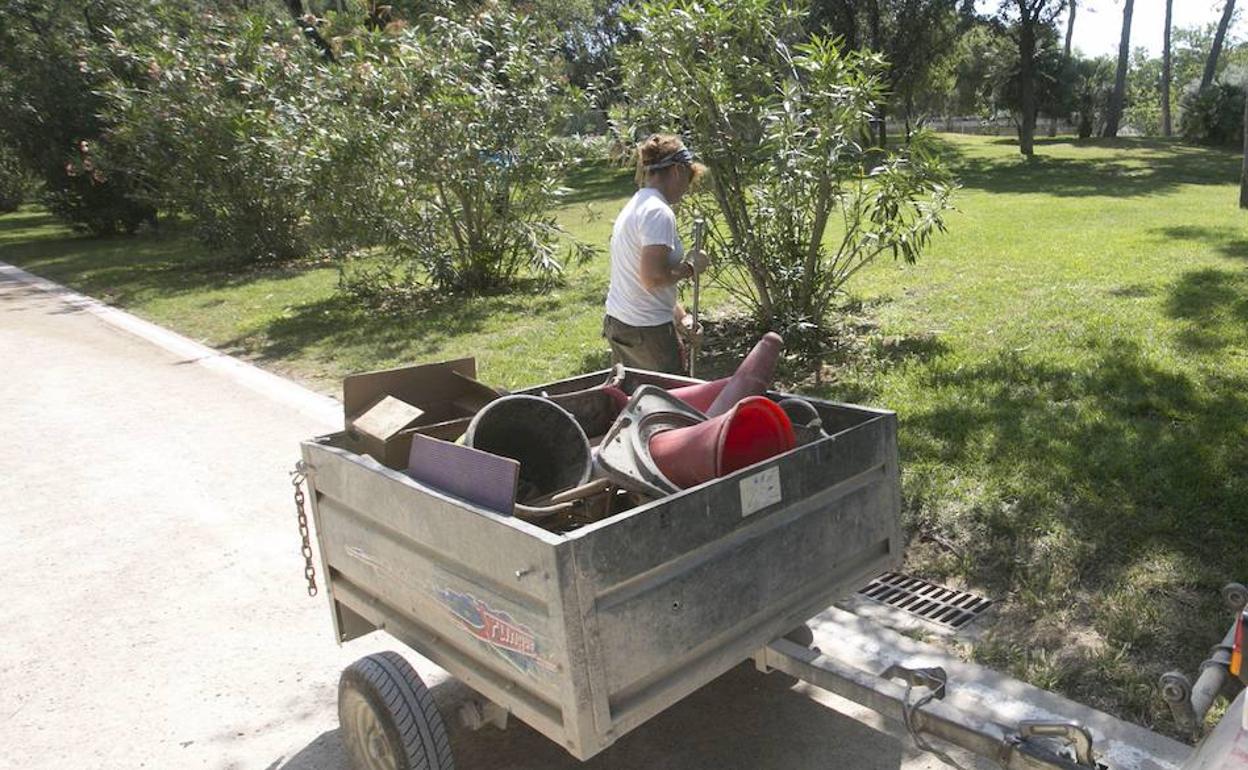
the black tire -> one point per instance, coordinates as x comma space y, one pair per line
388, 718
802, 635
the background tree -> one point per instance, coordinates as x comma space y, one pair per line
916, 38
1120, 78
1167, 128
1028, 17
976, 70
1067, 77
1092, 86
837, 17
1211, 64
923, 37
1142, 110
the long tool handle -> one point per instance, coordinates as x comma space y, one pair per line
699, 230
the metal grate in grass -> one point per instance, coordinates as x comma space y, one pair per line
929, 601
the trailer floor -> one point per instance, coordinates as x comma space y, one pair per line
156, 614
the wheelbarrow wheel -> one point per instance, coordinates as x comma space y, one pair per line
388, 717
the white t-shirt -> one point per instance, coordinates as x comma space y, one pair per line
646, 220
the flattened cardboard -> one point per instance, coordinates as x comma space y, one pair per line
443, 392
475, 394
412, 384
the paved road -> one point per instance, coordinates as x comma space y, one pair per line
152, 592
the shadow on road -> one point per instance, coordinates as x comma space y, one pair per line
744, 720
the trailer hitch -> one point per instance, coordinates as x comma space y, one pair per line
1030, 747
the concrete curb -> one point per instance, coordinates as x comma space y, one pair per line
323, 409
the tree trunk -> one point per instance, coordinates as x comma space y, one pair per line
1027, 86
849, 25
873, 18
1211, 64
1120, 82
309, 29
1070, 28
1167, 129
1070, 33
1243, 177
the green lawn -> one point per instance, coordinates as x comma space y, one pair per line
1069, 365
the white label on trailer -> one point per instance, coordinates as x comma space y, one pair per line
760, 490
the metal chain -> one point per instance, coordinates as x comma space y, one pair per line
297, 477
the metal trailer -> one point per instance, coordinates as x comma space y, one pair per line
587, 634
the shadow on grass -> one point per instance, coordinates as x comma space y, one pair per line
1214, 305
120, 269
1211, 303
1102, 482
24, 219
342, 323
1227, 241
598, 180
1141, 167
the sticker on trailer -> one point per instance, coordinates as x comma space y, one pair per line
760, 490
497, 629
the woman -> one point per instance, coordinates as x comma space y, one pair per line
648, 259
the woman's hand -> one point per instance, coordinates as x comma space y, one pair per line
700, 261
691, 333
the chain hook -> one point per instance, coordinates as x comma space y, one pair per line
297, 478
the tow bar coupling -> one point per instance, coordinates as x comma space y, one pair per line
1032, 747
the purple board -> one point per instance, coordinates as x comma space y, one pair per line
483, 479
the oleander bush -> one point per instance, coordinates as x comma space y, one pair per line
54, 66
799, 199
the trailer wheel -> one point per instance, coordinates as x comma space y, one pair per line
388, 717
802, 635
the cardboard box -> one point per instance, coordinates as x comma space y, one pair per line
381, 423
381, 408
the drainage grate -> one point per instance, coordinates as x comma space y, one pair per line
929, 601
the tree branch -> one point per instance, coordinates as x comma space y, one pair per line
306, 23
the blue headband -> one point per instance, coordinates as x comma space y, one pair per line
681, 156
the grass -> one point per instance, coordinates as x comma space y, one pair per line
1069, 365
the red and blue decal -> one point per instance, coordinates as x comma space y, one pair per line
514, 642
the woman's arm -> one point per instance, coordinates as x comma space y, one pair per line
656, 273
